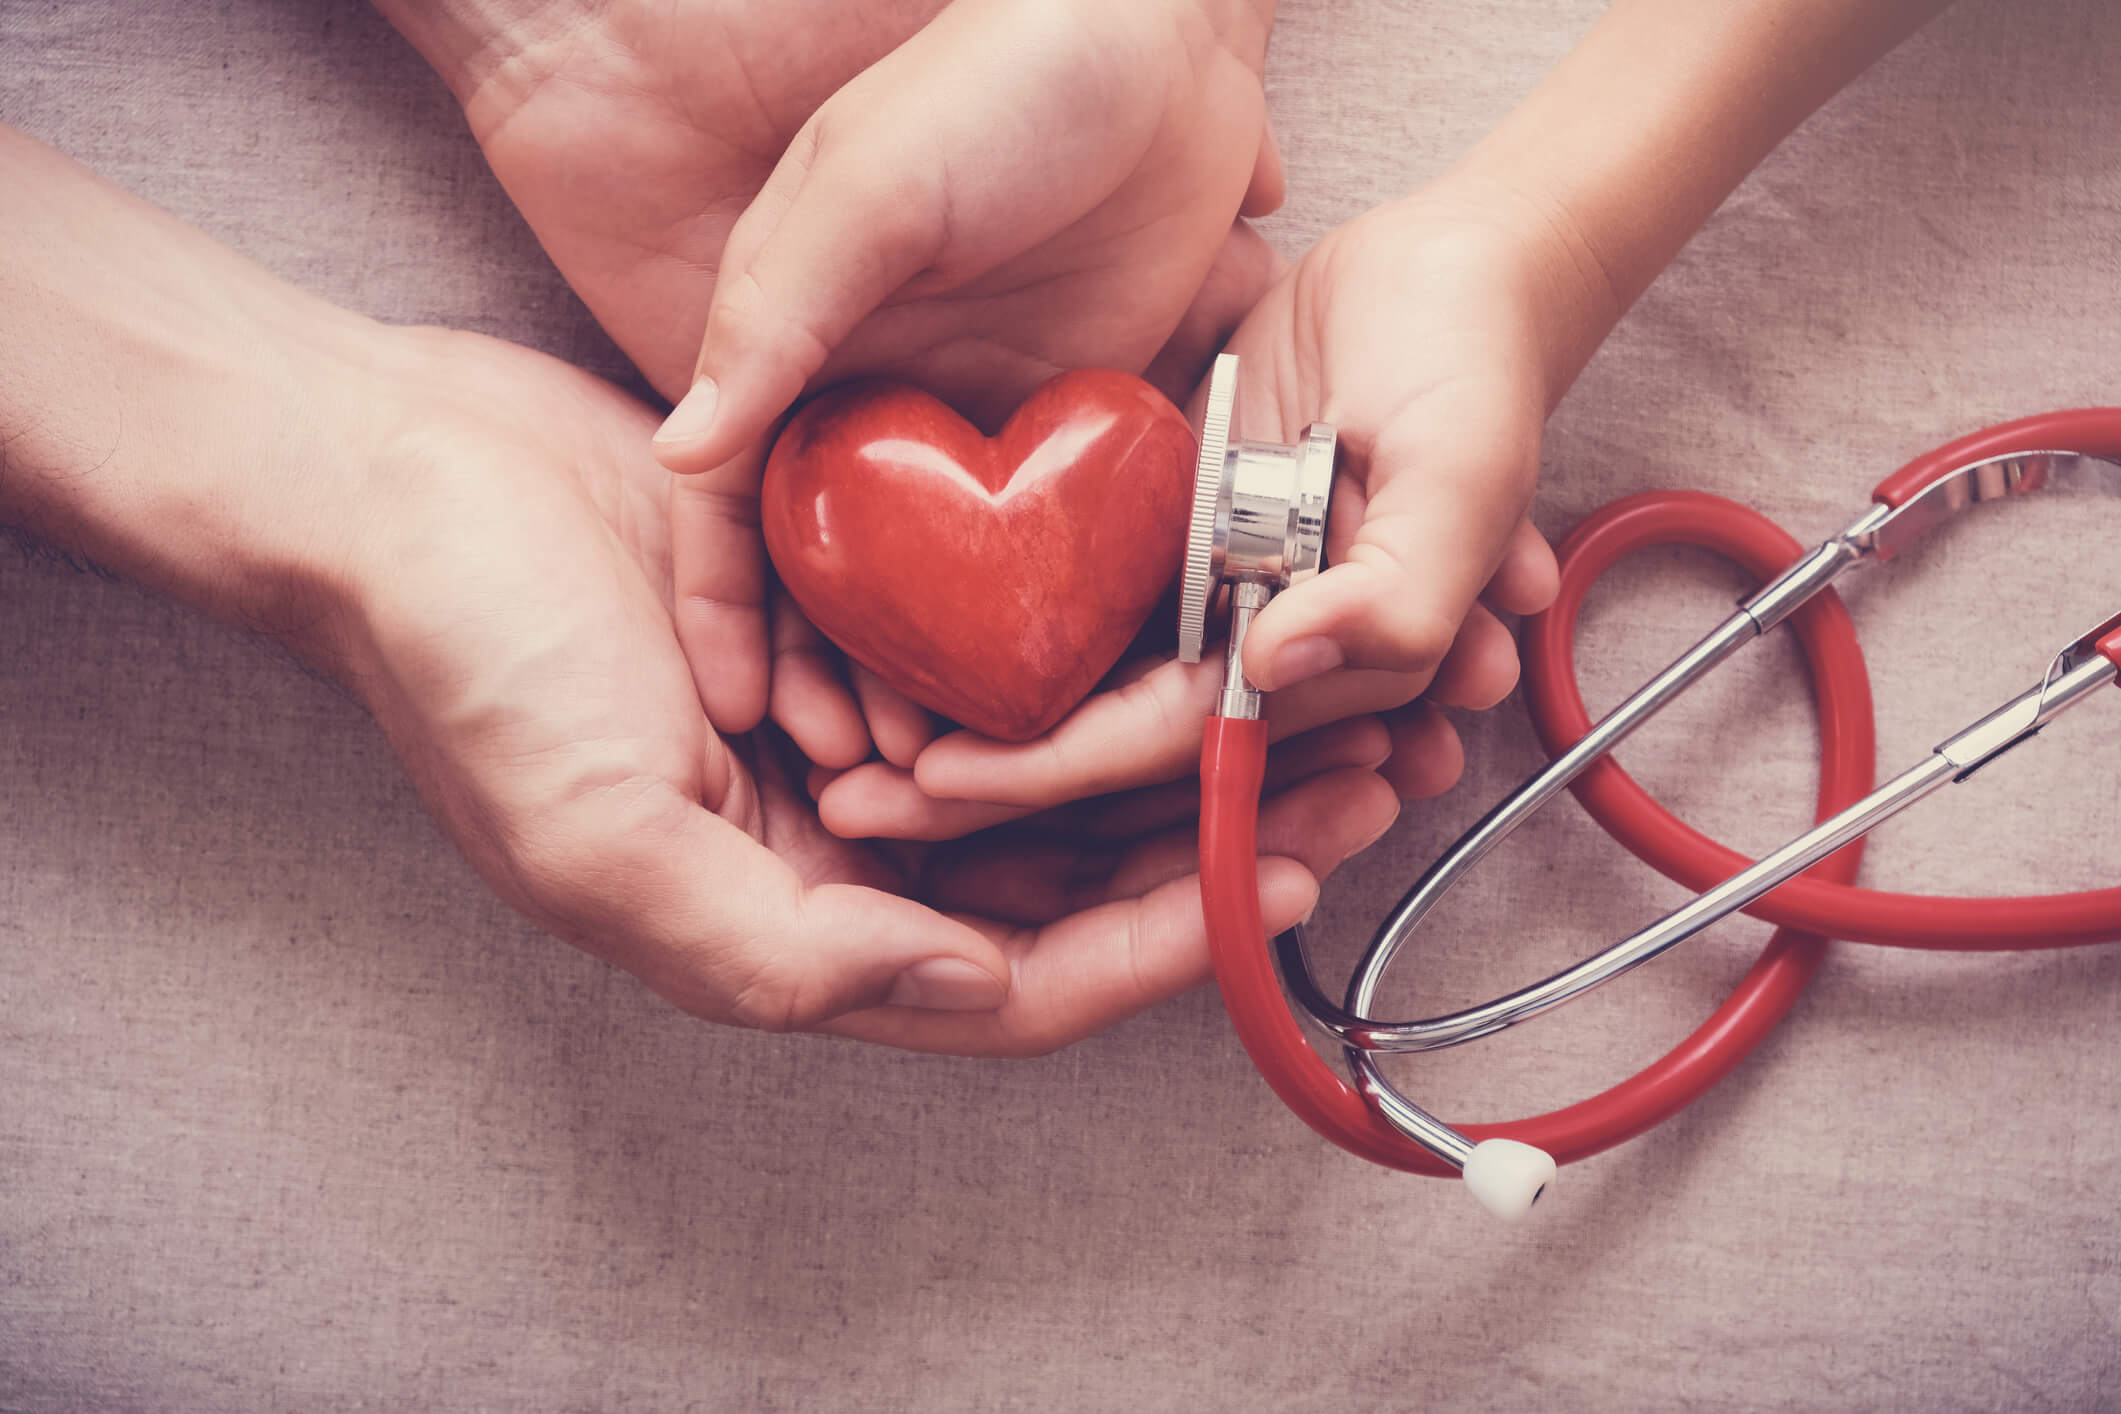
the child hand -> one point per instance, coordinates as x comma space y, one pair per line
1433, 332
1425, 332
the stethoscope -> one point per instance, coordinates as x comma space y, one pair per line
1258, 527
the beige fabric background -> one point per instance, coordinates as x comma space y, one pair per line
295, 1117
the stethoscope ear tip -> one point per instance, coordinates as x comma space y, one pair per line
1508, 1177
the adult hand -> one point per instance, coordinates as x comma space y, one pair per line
1020, 187
529, 676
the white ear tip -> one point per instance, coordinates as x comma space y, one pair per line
1508, 1177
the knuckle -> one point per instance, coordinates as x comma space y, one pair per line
1500, 682
769, 1000
1414, 637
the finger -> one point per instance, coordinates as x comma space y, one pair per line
1359, 741
1445, 497
807, 698
1143, 733
1481, 667
1527, 579
1088, 970
1427, 756
718, 581
825, 241
1270, 186
883, 184
721, 926
899, 726
1320, 822
1244, 269
878, 800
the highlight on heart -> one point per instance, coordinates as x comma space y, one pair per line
993, 580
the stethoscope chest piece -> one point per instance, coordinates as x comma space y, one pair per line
1259, 510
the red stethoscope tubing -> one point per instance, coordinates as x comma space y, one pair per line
1821, 903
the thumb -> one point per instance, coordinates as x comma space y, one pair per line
833, 234
721, 926
718, 586
1447, 480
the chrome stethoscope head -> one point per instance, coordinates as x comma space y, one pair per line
1259, 510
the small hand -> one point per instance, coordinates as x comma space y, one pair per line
1423, 331
1018, 189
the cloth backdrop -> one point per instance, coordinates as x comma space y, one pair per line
296, 1117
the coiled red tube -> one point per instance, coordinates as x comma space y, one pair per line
1233, 758
1820, 903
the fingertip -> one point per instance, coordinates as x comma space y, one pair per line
728, 672
1427, 755
1373, 809
690, 439
1528, 578
900, 727
831, 737
1287, 644
1270, 185
1481, 668
1287, 893
869, 947
849, 802
955, 765
949, 984
877, 800
1367, 742
1301, 659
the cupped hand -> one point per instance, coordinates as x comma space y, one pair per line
515, 642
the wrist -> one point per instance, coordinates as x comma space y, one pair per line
1530, 250
1631, 143
467, 42
171, 412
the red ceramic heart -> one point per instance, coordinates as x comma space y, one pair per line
994, 580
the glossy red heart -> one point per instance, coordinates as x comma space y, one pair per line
994, 580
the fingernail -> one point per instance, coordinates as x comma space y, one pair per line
692, 418
948, 984
1305, 658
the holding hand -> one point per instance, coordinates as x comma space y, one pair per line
1017, 188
